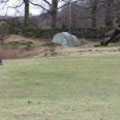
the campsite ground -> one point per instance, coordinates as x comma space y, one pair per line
61, 88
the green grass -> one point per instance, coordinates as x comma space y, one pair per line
81, 88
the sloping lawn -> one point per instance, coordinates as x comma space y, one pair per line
78, 88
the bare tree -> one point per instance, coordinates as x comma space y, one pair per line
94, 4
109, 12
16, 7
53, 8
26, 13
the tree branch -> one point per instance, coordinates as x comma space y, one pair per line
14, 7
35, 4
4, 1
47, 2
67, 4
17, 6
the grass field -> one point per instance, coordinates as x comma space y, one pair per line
69, 88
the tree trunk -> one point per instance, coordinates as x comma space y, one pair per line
54, 14
109, 13
70, 15
26, 14
2, 34
114, 35
93, 12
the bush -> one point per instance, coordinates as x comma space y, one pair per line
16, 27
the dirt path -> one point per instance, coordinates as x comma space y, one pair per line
88, 51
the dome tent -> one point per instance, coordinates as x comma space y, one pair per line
66, 39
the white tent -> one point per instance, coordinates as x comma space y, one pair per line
66, 39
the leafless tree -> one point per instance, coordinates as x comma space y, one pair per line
26, 13
109, 12
94, 4
53, 8
16, 7
26, 9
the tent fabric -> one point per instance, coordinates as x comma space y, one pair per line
66, 39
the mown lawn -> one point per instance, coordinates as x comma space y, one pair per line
78, 88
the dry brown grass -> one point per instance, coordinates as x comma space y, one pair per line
87, 51
39, 48
9, 51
